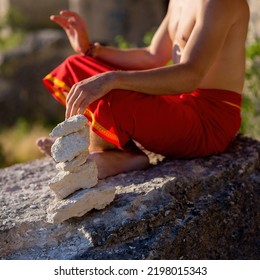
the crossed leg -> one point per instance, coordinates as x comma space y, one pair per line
109, 159
112, 161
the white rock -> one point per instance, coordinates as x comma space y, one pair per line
68, 147
70, 125
65, 183
80, 203
72, 166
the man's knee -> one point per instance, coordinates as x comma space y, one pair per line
97, 143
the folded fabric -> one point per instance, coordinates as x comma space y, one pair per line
187, 125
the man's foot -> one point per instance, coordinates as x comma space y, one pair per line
44, 144
109, 162
113, 162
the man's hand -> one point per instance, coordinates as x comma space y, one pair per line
85, 92
75, 28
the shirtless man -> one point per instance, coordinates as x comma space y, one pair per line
206, 41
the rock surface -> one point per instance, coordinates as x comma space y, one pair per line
204, 208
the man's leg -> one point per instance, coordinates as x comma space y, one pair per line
111, 161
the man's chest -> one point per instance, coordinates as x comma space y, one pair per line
182, 20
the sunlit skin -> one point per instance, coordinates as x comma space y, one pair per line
204, 38
75, 28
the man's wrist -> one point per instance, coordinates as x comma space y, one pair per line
93, 50
119, 79
112, 80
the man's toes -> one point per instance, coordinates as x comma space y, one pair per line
44, 144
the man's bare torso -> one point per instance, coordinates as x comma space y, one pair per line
228, 67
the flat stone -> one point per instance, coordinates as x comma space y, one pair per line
65, 183
70, 125
80, 203
68, 147
72, 165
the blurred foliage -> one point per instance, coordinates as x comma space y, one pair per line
148, 37
12, 39
14, 18
122, 43
11, 33
251, 96
17, 143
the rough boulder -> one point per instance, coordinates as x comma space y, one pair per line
203, 208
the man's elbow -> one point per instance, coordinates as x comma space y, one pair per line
194, 78
155, 60
193, 83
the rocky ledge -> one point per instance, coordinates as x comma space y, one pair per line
204, 208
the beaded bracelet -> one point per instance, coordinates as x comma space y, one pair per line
92, 50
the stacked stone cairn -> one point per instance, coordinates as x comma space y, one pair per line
76, 185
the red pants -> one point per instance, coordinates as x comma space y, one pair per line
200, 123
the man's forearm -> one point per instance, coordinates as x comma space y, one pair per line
130, 59
159, 81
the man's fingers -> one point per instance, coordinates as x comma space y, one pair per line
68, 14
65, 18
83, 107
71, 96
69, 102
78, 107
62, 21
73, 100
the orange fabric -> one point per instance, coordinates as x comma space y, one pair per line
181, 126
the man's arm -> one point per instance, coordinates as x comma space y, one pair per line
213, 22
156, 55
